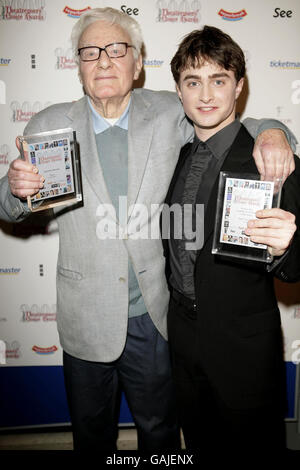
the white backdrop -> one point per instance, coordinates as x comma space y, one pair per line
37, 69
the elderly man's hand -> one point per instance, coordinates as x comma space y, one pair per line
274, 228
273, 155
23, 178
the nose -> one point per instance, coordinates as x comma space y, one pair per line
103, 61
205, 93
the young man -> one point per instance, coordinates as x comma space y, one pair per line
223, 320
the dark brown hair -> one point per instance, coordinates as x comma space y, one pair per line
212, 45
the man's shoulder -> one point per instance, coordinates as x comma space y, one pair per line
60, 108
161, 98
54, 115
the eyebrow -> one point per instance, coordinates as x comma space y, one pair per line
214, 75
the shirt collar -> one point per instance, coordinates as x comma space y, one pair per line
220, 142
100, 124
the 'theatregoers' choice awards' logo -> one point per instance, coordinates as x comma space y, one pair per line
64, 59
29, 10
24, 112
13, 350
37, 313
185, 11
4, 154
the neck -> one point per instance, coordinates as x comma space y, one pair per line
111, 108
204, 133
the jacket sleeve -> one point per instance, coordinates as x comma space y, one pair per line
257, 126
12, 209
288, 267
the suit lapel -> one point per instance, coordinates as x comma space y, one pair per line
182, 157
80, 115
239, 159
140, 133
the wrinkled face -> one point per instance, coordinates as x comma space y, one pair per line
209, 95
107, 78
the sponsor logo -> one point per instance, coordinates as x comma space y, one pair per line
2, 92
75, 13
279, 64
24, 112
37, 313
296, 353
64, 59
282, 13
280, 115
21, 10
33, 63
2, 352
4, 62
297, 312
13, 350
187, 12
247, 55
153, 63
9, 271
232, 15
130, 11
4, 154
39, 350
296, 93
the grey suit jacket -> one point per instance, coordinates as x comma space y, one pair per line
92, 273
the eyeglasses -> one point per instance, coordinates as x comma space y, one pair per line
114, 51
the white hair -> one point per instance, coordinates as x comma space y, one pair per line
111, 16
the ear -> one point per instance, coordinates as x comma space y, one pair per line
239, 88
138, 67
178, 92
79, 74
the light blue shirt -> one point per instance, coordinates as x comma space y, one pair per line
100, 124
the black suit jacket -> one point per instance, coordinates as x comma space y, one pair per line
238, 319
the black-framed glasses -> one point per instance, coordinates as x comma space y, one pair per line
114, 51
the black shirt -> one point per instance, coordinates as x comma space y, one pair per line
199, 171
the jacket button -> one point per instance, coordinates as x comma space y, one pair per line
122, 279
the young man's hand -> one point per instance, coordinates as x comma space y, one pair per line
274, 228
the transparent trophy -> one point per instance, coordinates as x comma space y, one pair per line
240, 196
55, 155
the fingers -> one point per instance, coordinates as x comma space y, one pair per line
274, 212
273, 155
274, 228
18, 144
259, 161
24, 179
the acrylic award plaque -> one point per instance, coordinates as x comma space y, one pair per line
56, 157
239, 197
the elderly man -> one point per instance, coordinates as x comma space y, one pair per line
112, 295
